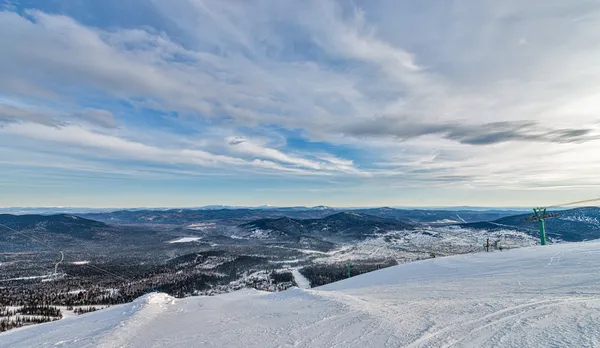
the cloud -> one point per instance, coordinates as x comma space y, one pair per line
82, 138
330, 163
56, 117
477, 134
77, 139
336, 160
102, 118
10, 113
244, 146
61, 49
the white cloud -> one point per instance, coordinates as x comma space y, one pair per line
247, 147
113, 146
72, 138
328, 163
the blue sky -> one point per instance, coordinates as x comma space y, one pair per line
126, 103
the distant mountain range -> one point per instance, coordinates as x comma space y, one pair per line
314, 228
85, 210
237, 216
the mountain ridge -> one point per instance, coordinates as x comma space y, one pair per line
239, 215
342, 224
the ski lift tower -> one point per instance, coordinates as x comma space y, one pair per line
540, 215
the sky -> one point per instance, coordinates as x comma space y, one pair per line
142, 103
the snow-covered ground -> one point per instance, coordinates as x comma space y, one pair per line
26, 278
80, 262
185, 240
529, 297
301, 280
201, 226
407, 246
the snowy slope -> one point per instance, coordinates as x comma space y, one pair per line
530, 297
301, 280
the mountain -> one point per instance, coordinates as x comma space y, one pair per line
348, 225
573, 225
187, 216
37, 232
356, 224
526, 297
283, 227
240, 215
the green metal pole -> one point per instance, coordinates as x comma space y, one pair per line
348, 267
540, 213
542, 232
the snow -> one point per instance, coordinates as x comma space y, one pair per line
260, 234
26, 278
529, 297
444, 221
185, 240
80, 262
581, 218
301, 280
287, 261
201, 226
407, 246
75, 292
68, 313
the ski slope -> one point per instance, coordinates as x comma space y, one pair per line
530, 297
301, 280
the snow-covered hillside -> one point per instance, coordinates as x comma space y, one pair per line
530, 297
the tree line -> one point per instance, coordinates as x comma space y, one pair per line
8, 324
322, 274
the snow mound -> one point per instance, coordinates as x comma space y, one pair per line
530, 297
157, 298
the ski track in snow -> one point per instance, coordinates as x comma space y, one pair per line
530, 297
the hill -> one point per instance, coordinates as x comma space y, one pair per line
64, 231
529, 297
59, 223
436, 216
56, 230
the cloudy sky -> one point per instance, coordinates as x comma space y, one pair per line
127, 103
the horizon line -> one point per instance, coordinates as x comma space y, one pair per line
224, 206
